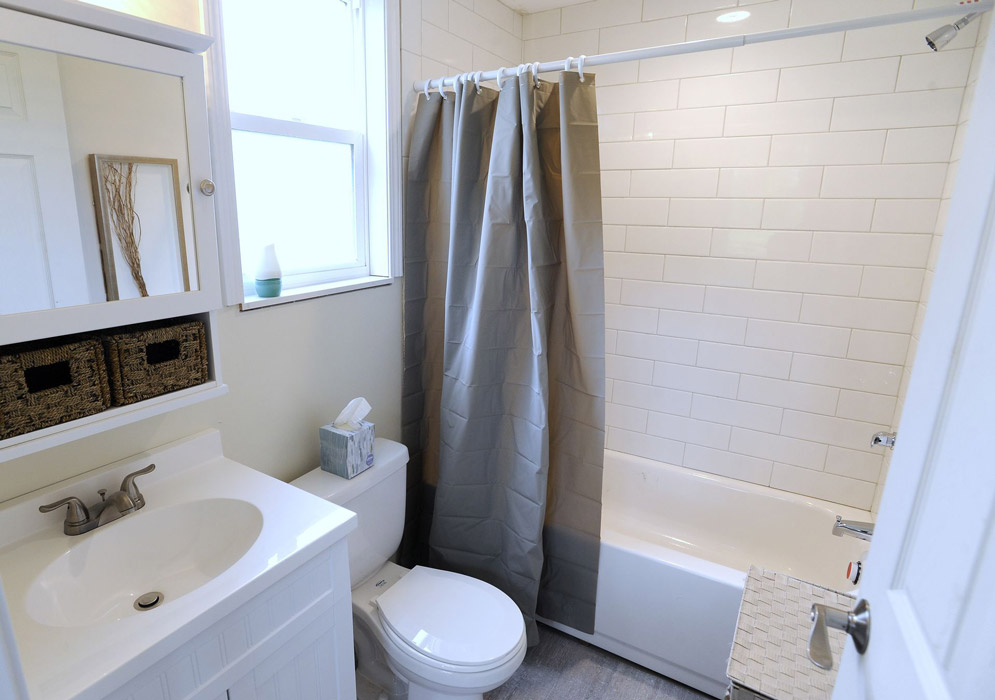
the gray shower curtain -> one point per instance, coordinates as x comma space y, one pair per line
504, 381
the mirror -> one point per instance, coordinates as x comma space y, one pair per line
95, 198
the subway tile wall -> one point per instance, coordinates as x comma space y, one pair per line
772, 212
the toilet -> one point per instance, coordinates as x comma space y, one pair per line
422, 633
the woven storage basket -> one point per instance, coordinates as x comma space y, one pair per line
148, 361
44, 385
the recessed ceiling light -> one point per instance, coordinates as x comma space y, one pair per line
737, 16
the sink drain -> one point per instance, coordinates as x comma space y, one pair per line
149, 600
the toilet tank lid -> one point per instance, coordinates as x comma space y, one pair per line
388, 457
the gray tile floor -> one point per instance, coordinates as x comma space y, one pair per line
564, 668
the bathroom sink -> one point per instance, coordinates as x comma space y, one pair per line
168, 551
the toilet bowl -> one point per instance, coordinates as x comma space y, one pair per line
422, 633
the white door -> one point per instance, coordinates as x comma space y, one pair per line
931, 571
41, 254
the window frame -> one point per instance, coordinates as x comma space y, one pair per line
376, 162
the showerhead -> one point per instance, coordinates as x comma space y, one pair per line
939, 38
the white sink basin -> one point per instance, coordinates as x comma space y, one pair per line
172, 551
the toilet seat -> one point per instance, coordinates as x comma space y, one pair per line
451, 622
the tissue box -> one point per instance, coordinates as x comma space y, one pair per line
347, 453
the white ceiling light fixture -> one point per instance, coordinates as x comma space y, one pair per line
735, 16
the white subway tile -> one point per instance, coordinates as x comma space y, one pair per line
846, 374
763, 17
778, 448
798, 337
629, 369
898, 110
785, 53
778, 118
850, 312
638, 36
655, 9
819, 214
600, 13
486, 35
871, 77
689, 65
828, 487
753, 303
696, 380
643, 445
848, 148
436, 12
873, 408
439, 45
728, 464
741, 151
761, 244
662, 295
736, 413
889, 348
615, 183
559, 46
653, 398
740, 358
675, 183
656, 347
637, 97
635, 211
498, 13
932, 71
854, 464
806, 12
901, 250
615, 127
634, 266
626, 417
613, 73
885, 181
642, 155
788, 394
724, 90
614, 237
899, 39
411, 18
613, 291
841, 432
725, 213
808, 277
905, 215
541, 24
695, 432
680, 124
770, 182
702, 326
694, 270
900, 283
931, 144
629, 318
668, 240
610, 337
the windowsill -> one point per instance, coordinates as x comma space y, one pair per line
317, 290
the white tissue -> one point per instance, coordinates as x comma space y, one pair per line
354, 412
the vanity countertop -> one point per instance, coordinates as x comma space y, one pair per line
71, 652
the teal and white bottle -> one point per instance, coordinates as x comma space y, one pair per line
269, 276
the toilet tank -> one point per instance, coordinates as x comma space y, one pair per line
377, 496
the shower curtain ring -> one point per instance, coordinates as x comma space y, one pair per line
428, 84
535, 74
521, 69
442, 87
476, 80
566, 64
500, 76
580, 66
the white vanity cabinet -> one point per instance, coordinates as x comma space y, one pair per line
293, 641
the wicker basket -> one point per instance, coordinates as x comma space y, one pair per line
44, 385
148, 361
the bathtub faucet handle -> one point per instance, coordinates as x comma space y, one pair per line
856, 623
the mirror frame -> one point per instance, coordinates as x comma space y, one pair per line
35, 32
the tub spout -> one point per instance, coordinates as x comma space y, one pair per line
853, 528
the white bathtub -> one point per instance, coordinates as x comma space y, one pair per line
675, 548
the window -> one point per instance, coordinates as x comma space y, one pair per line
303, 142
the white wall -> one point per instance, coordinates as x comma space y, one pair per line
769, 217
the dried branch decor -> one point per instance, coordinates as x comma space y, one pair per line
119, 195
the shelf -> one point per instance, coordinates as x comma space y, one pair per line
29, 443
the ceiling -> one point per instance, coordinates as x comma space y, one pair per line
527, 7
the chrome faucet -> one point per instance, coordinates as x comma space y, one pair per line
80, 519
854, 528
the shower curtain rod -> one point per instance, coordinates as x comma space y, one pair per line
718, 43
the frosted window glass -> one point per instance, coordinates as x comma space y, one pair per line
298, 194
292, 60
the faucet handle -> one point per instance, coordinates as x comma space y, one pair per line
131, 488
77, 515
